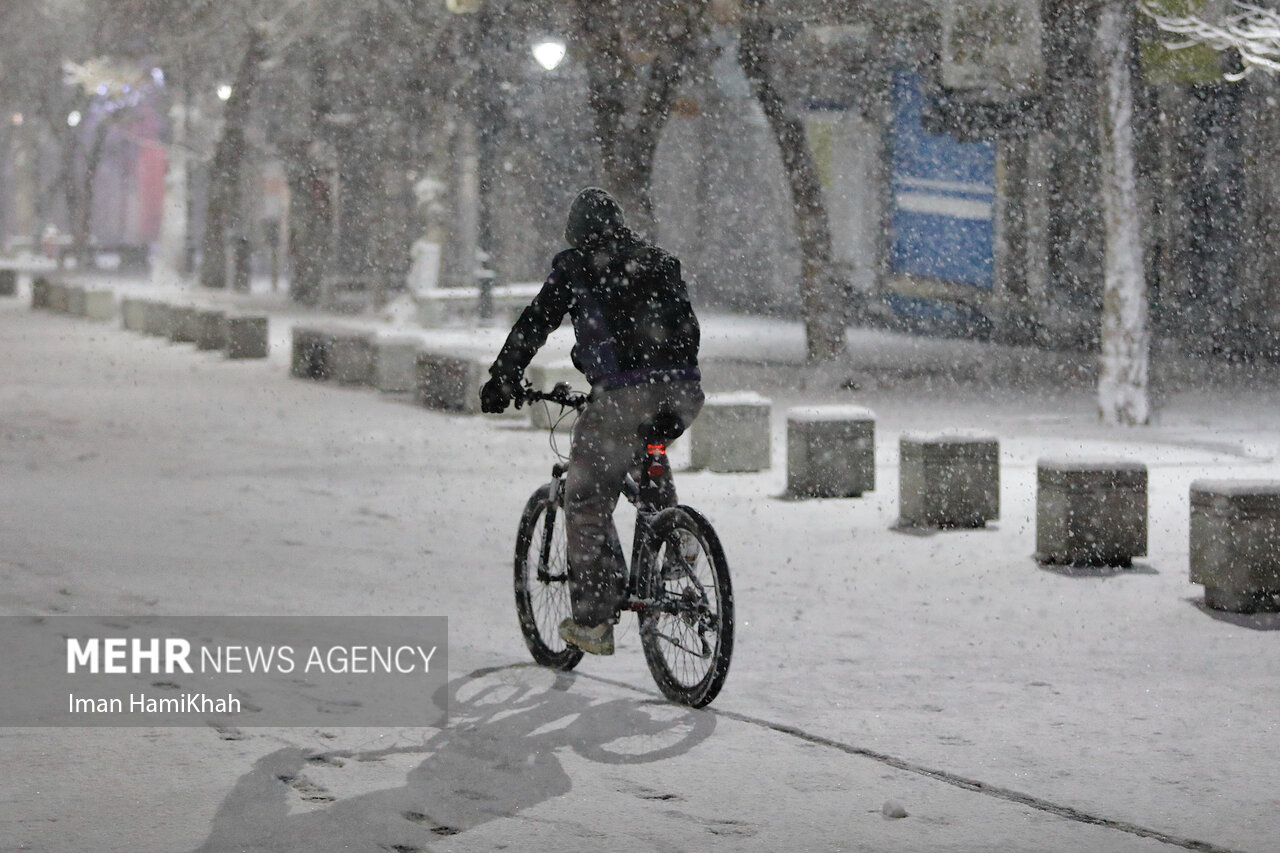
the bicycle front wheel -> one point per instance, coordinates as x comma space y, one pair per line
687, 632
542, 580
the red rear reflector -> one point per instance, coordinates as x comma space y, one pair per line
657, 459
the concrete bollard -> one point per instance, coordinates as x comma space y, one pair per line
58, 297
545, 377
351, 357
1090, 512
949, 479
75, 300
99, 305
159, 319
831, 451
133, 314
732, 434
8, 282
40, 292
1235, 543
309, 354
211, 329
247, 337
395, 364
182, 324
449, 382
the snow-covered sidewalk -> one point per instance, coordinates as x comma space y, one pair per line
1006, 706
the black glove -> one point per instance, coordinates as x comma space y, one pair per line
496, 394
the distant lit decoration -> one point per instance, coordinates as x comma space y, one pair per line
103, 76
16, 119
73, 118
224, 92
110, 83
549, 53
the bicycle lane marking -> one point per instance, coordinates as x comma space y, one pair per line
946, 777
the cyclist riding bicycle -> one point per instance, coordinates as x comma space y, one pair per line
637, 344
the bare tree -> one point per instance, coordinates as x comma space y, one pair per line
819, 288
223, 216
39, 50
636, 56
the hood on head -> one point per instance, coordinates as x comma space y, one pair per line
594, 213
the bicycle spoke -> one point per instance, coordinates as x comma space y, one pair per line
687, 635
542, 589
550, 597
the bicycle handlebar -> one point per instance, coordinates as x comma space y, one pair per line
561, 393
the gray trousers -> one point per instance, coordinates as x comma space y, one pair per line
606, 447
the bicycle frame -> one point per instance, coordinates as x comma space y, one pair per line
650, 494
646, 495
649, 499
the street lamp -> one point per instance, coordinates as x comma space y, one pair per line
549, 53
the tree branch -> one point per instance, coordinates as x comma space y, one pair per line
1252, 31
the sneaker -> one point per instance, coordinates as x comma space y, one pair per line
596, 639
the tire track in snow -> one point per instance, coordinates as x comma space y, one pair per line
975, 785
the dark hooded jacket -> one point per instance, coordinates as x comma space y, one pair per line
628, 303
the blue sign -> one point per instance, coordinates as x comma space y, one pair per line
943, 198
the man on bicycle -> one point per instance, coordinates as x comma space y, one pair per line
637, 344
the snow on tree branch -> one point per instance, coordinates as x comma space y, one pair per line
1253, 31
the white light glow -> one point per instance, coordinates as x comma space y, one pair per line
549, 53
224, 92
73, 118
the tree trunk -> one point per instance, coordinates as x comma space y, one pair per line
80, 188
223, 215
1122, 381
629, 142
310, 199
69, 178
171, 260
310, 212
824, 303
82, 226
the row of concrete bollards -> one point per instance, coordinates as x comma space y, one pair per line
237, 335
91, 303
1089, 512
439, 380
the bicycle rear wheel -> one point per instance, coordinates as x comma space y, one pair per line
687, 633
542, 580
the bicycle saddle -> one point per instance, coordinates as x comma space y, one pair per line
661, 428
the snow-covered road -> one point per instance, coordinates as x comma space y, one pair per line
1005, 706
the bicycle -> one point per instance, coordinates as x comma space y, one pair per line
677, 581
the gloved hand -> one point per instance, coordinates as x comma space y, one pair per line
496, 394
